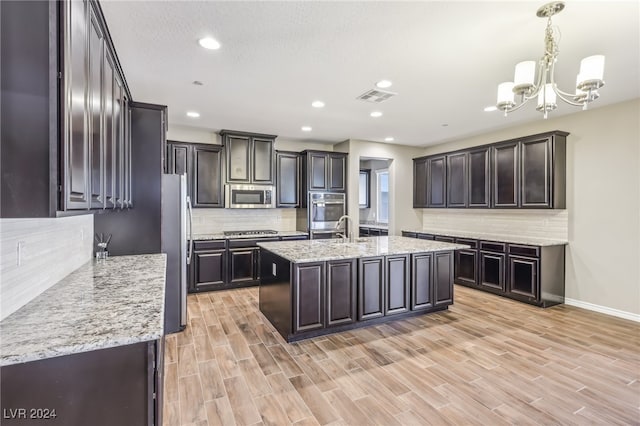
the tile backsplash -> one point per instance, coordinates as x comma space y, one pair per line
548, 224
37, 253
211, 221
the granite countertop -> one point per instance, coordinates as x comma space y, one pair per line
221, 236
513, 239
102, 304
321, 250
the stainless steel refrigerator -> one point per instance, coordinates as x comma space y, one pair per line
176, 243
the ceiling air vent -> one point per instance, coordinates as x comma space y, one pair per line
376, 96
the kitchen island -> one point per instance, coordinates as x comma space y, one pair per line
316, 287
89, 349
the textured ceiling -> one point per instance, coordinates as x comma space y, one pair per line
444, 58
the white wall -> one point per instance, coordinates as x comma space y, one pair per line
603, 207
51, 249
401, 212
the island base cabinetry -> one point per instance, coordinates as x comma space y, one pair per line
116, 386
304, 300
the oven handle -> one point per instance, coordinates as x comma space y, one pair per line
326, 202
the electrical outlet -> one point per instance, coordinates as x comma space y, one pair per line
82, 234
21, 257
273, 269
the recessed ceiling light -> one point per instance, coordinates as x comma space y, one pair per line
491, 108
376, 114
317, 104
389, 139
445, 125
193, 114
209, 43
198, 83
383, 84
306, 128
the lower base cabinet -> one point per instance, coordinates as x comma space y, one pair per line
443, 278
398, 284
341, 292
243, 265
421, 282
371, 289
208, 270
116, 386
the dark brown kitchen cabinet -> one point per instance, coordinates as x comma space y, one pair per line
288, 169
202, 163
543, 172
443, 278
437, 182
492, 266
466, 263
95, 106
421, 281
457, 183
243, 265
397, 284
341, 292
207, 178
420, 182
479, 183
506, 177
121, 385
208, 269
308, 296
523, 277
371, 288
250, 157
324, 171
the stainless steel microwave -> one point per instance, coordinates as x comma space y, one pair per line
241, 196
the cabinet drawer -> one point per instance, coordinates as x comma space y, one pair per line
209, 245
491, 246
472, 243
444, 239
425, 236
521, 250
250, 242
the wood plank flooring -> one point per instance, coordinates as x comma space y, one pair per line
487, 360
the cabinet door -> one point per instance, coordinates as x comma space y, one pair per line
209, 269
466, 267
336, 173
238, 158
443, 278
523, 277
437, 182
492, 270
370, 288
207, 179
96, 131
262, 160
126, 143
243, 265
478, 186
308, 295
118, 131
76, 146
398, 283
457, 180
421, 288
535, 161
341, 292
420, 183
287, 179
317, 169
109, 134
505, 175
178, 158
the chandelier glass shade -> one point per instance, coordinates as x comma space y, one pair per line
537, 80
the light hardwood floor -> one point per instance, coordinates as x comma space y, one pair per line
487, 360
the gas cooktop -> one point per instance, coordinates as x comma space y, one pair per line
251, 232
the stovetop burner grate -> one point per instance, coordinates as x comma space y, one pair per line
252, 232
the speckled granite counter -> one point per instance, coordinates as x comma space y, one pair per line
104, 304
221, 236
513, 239
322, 250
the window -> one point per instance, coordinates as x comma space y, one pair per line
382, 191
363, 193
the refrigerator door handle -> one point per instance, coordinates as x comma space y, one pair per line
190, 211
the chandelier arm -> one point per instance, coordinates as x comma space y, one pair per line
554, 85
569, 101
517, 107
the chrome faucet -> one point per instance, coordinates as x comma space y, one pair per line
348, 235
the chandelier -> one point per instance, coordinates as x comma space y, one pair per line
526, 86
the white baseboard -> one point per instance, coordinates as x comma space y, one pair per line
602, 309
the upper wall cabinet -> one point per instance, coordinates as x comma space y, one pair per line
65, 111
250, 157
287, 179
522, 173
324, 171
202, 163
